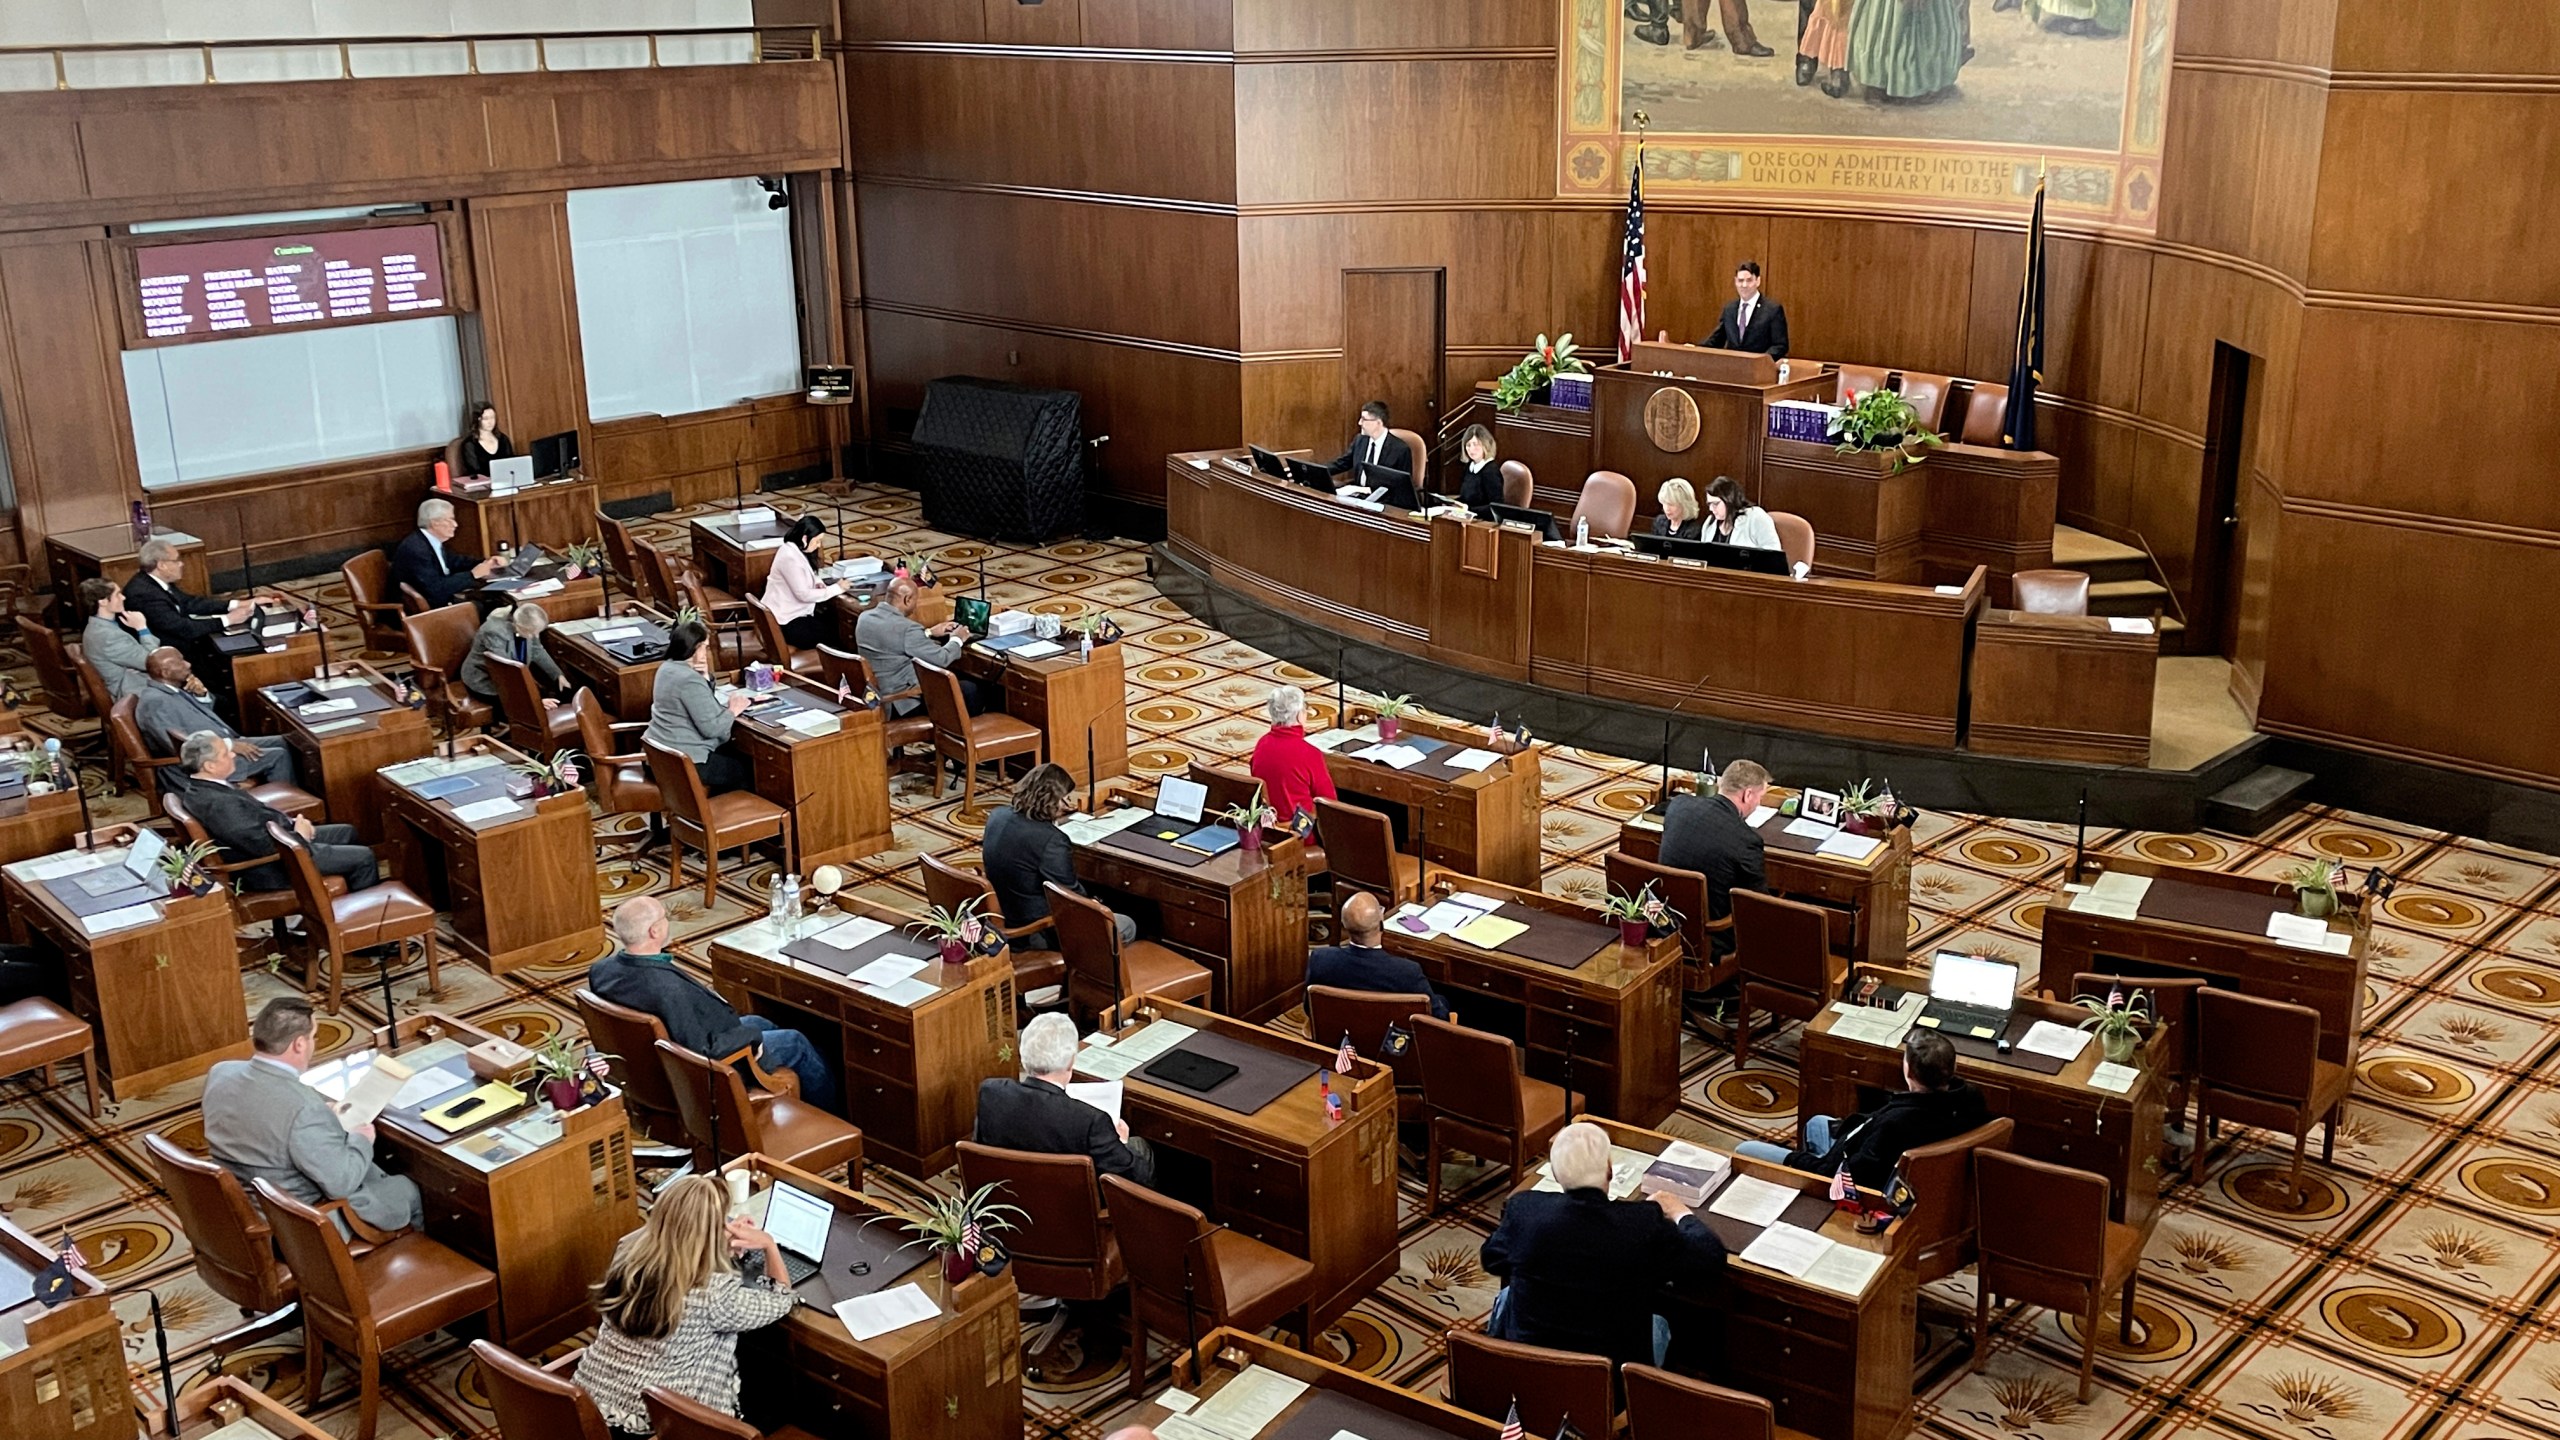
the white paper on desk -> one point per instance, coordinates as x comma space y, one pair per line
324, 707
882, 973
1178, 1402
1875, 1025
2338, 942
618, 632
1102, 1095
480, 810
1105, 1063
1474, 759
910, 993
373, 1092
2128, 625
769, 543
281, 627
1483, 904
1086, 829
69, 862
124, 918
1247, 1403
2300, 931
1787, 1249
859, 930
2114, 894
1760, 815
538, 589
1844, 1269
428, 1084
1753, 1201
2111, 1076
1855, 848
334, 726
1183, 1427
1157, 1038
2062, 1042
1038, 650
1394, 757
1812, 829
750, 515
1448, 915
1328, 739
812, 722
339, 682
870, 1315
1696, 1157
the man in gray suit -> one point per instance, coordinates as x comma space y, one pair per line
116, 640
170, 709
889, 637
263, 1123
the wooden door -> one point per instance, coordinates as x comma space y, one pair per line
1392, 329
2213, 628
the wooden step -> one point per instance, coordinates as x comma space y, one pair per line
2256, 800
2128, 597
2100, 558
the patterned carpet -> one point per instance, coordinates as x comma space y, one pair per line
2407, 1297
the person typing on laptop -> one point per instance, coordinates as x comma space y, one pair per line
672, 1304
1377, 448
1934, 1105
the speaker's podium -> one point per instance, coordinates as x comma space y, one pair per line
1688, 411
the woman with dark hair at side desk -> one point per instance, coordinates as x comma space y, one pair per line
1733, 520
1479, 472
482, 441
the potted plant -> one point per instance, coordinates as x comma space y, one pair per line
556, 1069
2118, 1021
555, 776
1391, 712
190, 867
2315, 888
1249, 818
1881, 420
585, 557
1528, 380
956, 1228
958, 930
685, 614
1640, 916
1867, 809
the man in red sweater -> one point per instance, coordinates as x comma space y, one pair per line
1292, 771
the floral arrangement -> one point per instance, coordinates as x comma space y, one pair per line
1101, 627
555, 776
1538, 369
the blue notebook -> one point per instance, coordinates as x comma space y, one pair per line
1211, 839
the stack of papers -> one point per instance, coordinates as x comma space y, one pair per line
1394, 757
482, 812
2061, 1042
1760, 815
618, 632
1787, 1249
1474, 759
812, 722
846, 934
887, 971
1876, 1025
1489, 932
2304, 933
1753, 1201
2113, 894
1812, 829
124, 918
868, 1316
1086, 829
1038, 650
2110, 1076
1106, 1059
69, 862
1438, 920
1855, 848
1246, 1404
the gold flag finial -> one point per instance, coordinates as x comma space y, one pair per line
1644, 122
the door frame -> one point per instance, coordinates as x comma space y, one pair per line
1438, 400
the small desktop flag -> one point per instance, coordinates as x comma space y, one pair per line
1511, 1423
1842, 1186
1342, 1058
844, 690
1566, 1430
54, 1283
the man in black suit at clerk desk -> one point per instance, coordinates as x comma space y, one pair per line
1376, 445
1751, 321
1712, 835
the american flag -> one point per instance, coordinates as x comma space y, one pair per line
598, 1066
1631, 266
969, 1241
1342, 1059
1511, 1423
70, 1256
1842, 1186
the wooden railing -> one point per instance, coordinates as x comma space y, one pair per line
764, 45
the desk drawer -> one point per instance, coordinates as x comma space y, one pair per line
882, 1108
870, 1054
1179, 1132
1769, 1310
791, 990
1272, 1233
1194, 930
1262, 1184
1486, 979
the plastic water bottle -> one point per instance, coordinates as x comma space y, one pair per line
1087, 656
53, 760
773, 902
1782, 372
1581, 532
790, 907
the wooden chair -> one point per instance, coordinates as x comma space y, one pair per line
1486, 1376
1103, 975
1062, 1244
378, 608
50, 654
406, 1287
1940, 1230
725, 1120
532, 1403
629, 1040
1364, 1015
1609, 503
777, 646
2045, 1238
93, 688
675, 1417
234, 1247
1188, 1277
899, 734
1857, 380
2051, 592
1685, 891
2259, 1064
1927, 394
1479, 1098
621, 556
971, 740
249, 908
388, 913
2173, 1013
1518, 483
711, 823
620, 781
1795, 537
1986, 414
438, 641
1360, 852
656, 579
1782, 952
948, 887
732, 629
532, 727
1233, 789
1664, 1406
36, 1034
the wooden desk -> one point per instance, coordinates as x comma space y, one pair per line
1325, 1193
284, 659
339, 756
36, 825
910, 1073
1226, 1354
521, 890
1486, 823
2061, 687
1728, 393
844, 612
736, 557
1067, 699
164, 996
546, 1220
1869, 900
109, 552
1617, 1017
198, 1420
835, 785
624, 687
574, 600
63, 1376
1837, 1367
553, 514
958, 1377
2061, 1119
1242, 916
2197, 922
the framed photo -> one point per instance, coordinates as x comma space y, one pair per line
1820, 805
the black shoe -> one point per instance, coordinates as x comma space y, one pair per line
1805, 68
1838, 85
1756, 52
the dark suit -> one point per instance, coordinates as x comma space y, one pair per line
1392, 453
700, 1021
1766, 334
414, 562
1583, 1270
1037, 1116
1871, 1145
1689, 529
237, 821
187, 621
1706, 834
1481, 490
1359, 967
1019, 854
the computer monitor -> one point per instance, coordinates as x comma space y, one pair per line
1973, 980
1268, 463
1648, 543
1542, 521
555, 455
1395, 486
514, 470
1742, 557
1314, 477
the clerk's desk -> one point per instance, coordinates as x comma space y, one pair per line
910, 1072
2062, 687
1073, 702
1608, 1030
340, 755
2061, 1118
521, 887
1325, 1193
1868, 901
110, 552
833, 783
62, 1371
545, 1221
552, 513
955, 1377
1338, 1398
2199, 922
1480, 823
1242, 915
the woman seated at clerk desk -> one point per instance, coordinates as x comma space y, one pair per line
1479, 473
791, 589
1679, 518
1733, 520
482, 441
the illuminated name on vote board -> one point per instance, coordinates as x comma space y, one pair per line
242, 287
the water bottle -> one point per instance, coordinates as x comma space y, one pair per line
1087, 656
790, 907
53, 760
773, 904
1581, 532
1782, 372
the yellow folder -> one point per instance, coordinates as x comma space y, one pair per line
477, 1108
1488, 932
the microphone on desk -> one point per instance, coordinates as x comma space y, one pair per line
1689, 695
1090, 774
2080, 841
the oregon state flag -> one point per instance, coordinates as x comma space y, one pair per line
2026, 370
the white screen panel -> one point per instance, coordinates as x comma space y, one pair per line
245, 407
686, 299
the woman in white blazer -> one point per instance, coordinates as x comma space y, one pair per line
1733, 520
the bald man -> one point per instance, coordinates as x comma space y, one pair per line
1362, 962
641, 975
889, 637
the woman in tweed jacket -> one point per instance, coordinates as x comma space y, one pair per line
670, 1306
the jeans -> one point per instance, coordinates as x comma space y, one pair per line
1817, 1141
1497, 1323
780, 1049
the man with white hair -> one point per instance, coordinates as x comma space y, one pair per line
1036, 1113
1581, 1269
1292, 772
177, 616
641, 975
426, 560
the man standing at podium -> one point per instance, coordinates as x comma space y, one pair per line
1751, 321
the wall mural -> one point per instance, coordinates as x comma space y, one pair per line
1949, 106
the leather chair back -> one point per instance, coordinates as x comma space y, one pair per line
311, 890
679, 783
520, 701
378, 610
531, 1403
1664, 1406
1472, 1076
1940, 1228
2173, 1011
2040, 1230
619, 556
1159, 1240
711, 1100
1228, 789
1782, 942
2051, 592
234, 1247
1364, 1015
1421, 457
2257, 1059
947, 706
1062, 1242
1552, 1386
843, 665
52, 659
1518, 484
629, 1040
438, 641
948, 887
1682, 890
1986, 414
1928, 395
323, 1267
679, 1417
1857, 380
656, 578
1089, 939
1359, 846
622, 783
452, 459
93, 683
1795, 537
1609, 503
124, 735
777, 648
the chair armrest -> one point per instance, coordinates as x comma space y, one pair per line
1719, 925
1028, 927
566, 1365
772, 1083
363, 1232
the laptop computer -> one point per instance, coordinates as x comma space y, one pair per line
514, 470
798, 1222
1970, 996
973, 614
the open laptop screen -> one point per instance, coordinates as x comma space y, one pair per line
798, 1222
1973, 980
